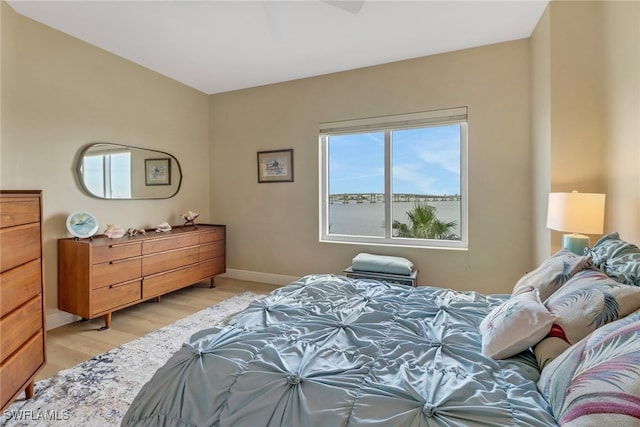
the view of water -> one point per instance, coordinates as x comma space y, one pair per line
368, 218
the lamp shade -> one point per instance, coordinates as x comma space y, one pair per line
576, 212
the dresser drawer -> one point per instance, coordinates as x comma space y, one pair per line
169, 260
212, 236
113, 296
20, 244
163, 283
211, 268
19, 285
18, 211
116, 271
19, 325
168, 243
211, 250
18, 369
116, 251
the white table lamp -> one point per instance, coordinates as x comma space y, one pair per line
576, 213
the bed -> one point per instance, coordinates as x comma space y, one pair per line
327, 350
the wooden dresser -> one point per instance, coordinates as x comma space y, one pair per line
97, 277
22, 328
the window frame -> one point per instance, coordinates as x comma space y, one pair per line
388, 124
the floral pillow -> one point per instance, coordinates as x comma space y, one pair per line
589, 300
552, 273
515, 325
597, 381
617, 258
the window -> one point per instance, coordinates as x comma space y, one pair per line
395, 180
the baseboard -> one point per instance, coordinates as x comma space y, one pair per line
60, 318
256, 276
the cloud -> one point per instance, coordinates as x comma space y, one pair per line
447, 158
415, 178
436, 146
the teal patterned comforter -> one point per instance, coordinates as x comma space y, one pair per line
331, 351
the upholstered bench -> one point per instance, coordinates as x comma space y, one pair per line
384, 268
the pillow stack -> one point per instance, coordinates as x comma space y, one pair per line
581, 315
562, 301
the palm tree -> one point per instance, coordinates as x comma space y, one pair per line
424, 224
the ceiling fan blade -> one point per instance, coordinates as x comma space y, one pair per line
351, 6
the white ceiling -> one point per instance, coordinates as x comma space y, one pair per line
217, 46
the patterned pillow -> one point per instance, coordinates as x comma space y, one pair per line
552, 273
589, 300
515, 325
617, 258
597, 381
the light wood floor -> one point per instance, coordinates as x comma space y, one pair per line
71, 344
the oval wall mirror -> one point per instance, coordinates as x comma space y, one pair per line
114, 171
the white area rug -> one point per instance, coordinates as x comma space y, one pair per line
99, 391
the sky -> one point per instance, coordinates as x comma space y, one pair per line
425, 161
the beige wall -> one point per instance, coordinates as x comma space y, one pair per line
273, 228
59, 94
621, 23
541, 132
586, 104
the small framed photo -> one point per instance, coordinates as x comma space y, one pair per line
275, 166
157, 171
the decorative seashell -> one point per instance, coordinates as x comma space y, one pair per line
114, 231
142, 231
190, 216
132, 231
163, 227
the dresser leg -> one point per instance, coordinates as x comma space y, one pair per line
213, 284
107, 322
29, 390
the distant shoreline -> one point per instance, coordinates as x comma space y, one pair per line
346, 198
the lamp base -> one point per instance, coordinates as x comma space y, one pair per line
576, 243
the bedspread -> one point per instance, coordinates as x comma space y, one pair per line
332, 351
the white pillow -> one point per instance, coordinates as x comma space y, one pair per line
515, 325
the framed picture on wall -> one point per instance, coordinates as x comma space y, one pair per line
275, 166
157, 171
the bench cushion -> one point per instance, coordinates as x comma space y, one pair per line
382, 264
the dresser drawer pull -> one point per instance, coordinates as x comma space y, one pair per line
117, 245
118, 261
118, 285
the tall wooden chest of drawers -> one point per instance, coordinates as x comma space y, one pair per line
99, 276
22, 328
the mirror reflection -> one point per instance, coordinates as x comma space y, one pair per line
114, 171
